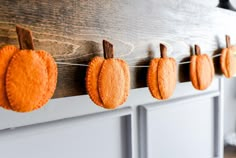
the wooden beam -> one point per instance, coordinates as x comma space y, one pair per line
73, 31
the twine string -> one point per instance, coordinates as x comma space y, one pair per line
133, 66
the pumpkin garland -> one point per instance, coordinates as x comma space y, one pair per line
108, 79
227, 60
161, 77
29, 76
201, 70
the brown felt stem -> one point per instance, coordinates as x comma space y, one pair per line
108, 50
197, 50
163, 50
25, 38
227, 38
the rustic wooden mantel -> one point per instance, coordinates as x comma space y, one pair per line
72, 31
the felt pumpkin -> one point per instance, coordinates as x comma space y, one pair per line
108, 80
31, 75
161, 77
227, 60
201, 70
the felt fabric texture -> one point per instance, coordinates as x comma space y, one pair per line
161, 77
92, 75
112, 84
152, 80
125, 68
227, 62
26, 81
52, 75
201, 71
6, 54
166, 77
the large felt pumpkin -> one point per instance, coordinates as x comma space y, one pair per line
201, 70
30, 76
227, 60
108, 79
161, 77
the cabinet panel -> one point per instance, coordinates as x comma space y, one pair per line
107, 137
180, 129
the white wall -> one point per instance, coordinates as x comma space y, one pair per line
233, 2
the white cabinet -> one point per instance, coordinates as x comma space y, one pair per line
189, 125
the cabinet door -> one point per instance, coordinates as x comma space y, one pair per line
181, 129
101, 136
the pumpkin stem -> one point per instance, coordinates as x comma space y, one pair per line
197, 50
227, 38
108, 49
163, 50
25, 38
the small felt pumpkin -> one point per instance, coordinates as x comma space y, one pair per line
227, 60
108, 80
31, 75
161, 77
201, 70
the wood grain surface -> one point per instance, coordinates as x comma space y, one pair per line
73, 31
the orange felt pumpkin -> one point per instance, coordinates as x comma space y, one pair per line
201, 70
227, 60
108, 80
161, 77
31, 76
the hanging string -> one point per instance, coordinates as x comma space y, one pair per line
138, 66
72, 64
